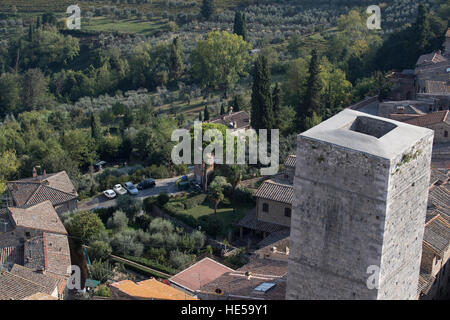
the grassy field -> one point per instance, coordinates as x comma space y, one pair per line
126, 26
225, 215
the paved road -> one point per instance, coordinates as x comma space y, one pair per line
162, 185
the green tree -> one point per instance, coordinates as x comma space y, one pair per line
276, 105
175, 59
222, 109
261, 101
220, 60
311, 100
8, 167
84, 225
96, 132
34, 89
9, 94
99, 250
118, 221
240, 25
206, 114
207, 9
215, 194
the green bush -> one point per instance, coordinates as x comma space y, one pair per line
148, 204
162, 199
194, 201
99, 250
103, 291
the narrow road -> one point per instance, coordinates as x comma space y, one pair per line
162, 185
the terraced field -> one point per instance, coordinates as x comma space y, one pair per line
156, 7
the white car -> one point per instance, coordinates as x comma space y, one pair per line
118, 189
110, 194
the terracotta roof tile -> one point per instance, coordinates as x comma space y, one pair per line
202, 272
290, 160
41, 216
241, 118
429, 119
276, 191
151, 289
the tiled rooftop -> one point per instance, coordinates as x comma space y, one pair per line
41, 216
151, 289
202, 272
430, 119
276, 191
55, 187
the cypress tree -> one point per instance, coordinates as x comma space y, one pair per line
199, 116
421, 31
207, 9
206, 114
311, 99
95, 128
38, 22
244, 27
240, 26
222, 109
261, 102
175, 59
30, 33
276, 102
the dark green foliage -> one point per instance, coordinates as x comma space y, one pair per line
175, 63
194, 201
222, 109
240, 25
207, 9
261, 102
403, 47
276, 102
206, 114
311, 103
99, 250
162, 199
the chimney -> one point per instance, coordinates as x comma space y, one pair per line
34, 172
230, 110
234, 124
45, 172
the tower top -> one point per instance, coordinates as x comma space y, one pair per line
376, 136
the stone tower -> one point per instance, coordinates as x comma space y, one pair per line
360, 190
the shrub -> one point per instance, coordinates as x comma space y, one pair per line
131, 206
180, 259
118, 221
99, 250
162, 199
103, 291
161, 225
243, 195
194, 201
101, 271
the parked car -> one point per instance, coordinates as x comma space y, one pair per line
131, 188
147, 183
110, 194
118, 189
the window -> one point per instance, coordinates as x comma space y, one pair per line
265, 207
446, 134
27, 234
287, 212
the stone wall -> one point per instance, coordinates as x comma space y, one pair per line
275, 214
353, 210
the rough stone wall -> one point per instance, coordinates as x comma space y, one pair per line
345, 216
405, 221
275, 214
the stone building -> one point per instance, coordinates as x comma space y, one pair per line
360, 200
439, 122
33, 240
55, 187
273, 210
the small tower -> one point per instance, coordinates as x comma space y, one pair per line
360, 199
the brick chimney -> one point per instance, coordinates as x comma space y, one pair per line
34, 172
230, 112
